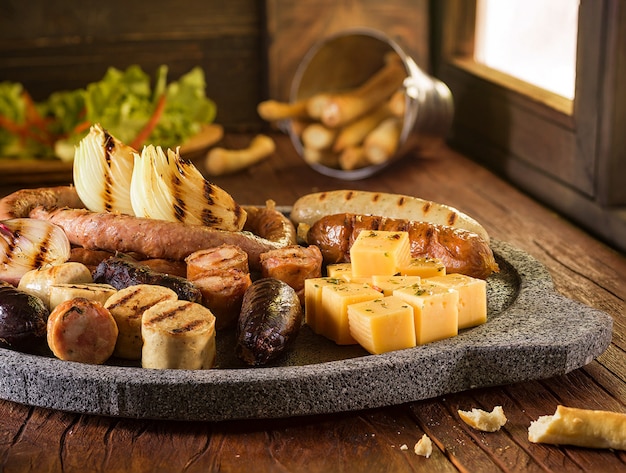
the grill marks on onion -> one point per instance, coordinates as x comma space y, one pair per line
166, 187
103, 168
27, 244
109, 147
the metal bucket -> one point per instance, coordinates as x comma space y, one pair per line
345, 61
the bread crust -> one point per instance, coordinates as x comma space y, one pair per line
580, 427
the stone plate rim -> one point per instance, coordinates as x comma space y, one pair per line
538, 335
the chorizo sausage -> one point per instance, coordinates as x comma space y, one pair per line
459, 250
152, 238
311, 207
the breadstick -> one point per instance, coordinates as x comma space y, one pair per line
343, 108
318, 136
324, 157
382, 143
316, 104
353, 157
273, 110
208, 136
298, 126
397, 103
354, 133
224, 161
580, 427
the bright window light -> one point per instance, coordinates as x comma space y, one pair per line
533, 40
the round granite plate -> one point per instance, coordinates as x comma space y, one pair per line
531, 333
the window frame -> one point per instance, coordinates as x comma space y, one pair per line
570, 154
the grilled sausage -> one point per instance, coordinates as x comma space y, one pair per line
152, 238
311, 207
269, 227
121, 272
23, 319
293, 264
270, 319
82, 330
21, 202
459, 250
271, 224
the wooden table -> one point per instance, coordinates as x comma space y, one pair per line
583, 268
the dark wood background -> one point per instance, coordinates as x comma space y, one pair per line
249, 49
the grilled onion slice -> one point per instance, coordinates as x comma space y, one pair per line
27, 244
166, 187
103, 169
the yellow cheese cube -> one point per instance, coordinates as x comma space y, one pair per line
472, 297
338, 270
334, 310
344, 271
383, 324
435, 310
379, 252
423, 267
313, 300
387, 284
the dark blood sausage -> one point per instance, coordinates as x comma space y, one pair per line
270, 319
459, 250
23, 319
21, 202
149, 237
121, 272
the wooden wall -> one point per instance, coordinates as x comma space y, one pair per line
248, 48
67, 44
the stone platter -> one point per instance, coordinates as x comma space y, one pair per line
532, 332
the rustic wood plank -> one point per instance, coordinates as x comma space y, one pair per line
68, 45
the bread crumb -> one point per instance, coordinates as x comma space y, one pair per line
424, 446
404, 447
482, 420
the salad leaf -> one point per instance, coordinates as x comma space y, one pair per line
123, 102
17, 136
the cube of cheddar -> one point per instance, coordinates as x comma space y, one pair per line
313, 300
388, 284
382, 325
379, 252
338, 270
331, 319
344, 271
435, 311
423, 267
472, 297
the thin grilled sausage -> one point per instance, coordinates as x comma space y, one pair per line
149, 237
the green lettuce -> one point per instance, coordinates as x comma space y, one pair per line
123, 102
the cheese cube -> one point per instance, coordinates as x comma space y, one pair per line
379, 252
313, 300
338, 270
472, 297
383, 324
332, 320
387, 284
435, 311
344, 271
423, 267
